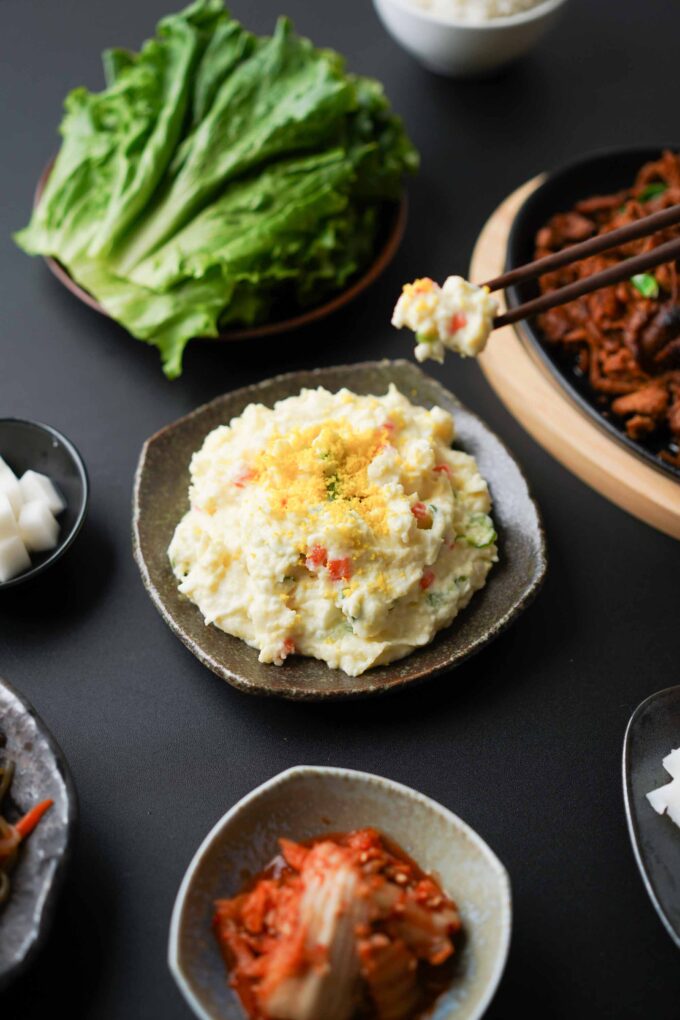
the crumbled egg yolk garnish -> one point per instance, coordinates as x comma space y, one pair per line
324, 464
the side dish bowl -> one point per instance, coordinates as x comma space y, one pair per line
390, 239
41, 772
31, 445
309, 801
463, 49
596, 174
651, 734
164, 469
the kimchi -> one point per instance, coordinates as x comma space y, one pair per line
344, 927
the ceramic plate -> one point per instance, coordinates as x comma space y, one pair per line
597, 174
653, 731
40, 772
391, 234
305, 802
161, 499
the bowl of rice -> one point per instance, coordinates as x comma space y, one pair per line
463, 38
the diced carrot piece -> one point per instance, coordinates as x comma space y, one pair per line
317, 556
340, 570
457, 321
288, 647
245, 475
427, 580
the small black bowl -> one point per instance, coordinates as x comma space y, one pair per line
600, 173
30, 445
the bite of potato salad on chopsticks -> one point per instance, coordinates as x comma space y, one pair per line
334, 525
457, 316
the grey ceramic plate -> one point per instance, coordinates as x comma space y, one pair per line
305, 802
161, 499
40, 772
653, 731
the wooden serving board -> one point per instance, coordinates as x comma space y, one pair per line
548, 413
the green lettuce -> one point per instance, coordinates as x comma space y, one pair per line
219, 179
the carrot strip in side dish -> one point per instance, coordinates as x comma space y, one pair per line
27, 824
12, 835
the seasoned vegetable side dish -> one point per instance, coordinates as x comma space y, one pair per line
12, 835
219, 179
334, 525
457, 316
624, 340
343, 927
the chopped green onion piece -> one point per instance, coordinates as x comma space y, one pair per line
426, 338
435, 598
652, 190
646, 284
480, 531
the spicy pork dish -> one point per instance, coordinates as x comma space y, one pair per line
624, 340
333, 525
342, 928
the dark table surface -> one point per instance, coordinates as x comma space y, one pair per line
524, 741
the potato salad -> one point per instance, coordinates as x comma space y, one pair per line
457, 316
333, 525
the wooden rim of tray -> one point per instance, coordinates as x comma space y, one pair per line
547, 412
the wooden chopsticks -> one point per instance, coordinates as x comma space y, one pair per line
644, 227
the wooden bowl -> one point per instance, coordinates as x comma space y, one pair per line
390, 238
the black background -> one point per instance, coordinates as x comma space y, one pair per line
524, 741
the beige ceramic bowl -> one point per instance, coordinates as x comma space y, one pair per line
308, 801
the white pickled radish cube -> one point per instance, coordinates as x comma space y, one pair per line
37, 486
5, 470
8, 522
671, 763
38, 529
11, 488
13, 558
673, 802
659, 798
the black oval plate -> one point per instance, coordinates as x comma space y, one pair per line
40, 772
653, 731
161, 499
599, 173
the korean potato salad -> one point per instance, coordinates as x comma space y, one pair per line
333, 525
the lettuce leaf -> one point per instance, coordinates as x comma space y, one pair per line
220, 178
